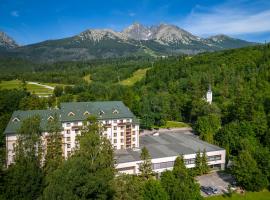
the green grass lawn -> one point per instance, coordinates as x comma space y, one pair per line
87, 78
10, 84
263, 195
173, 124
137, 76
37, 89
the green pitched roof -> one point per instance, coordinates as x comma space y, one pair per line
21, 115
103, 110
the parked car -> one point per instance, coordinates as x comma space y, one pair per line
214, 190
207, 190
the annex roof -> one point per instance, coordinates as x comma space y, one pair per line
165, 145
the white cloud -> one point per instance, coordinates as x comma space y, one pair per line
14, 13
228, 19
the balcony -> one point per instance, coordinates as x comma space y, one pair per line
107, 125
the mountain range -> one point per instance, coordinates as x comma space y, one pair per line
135, 40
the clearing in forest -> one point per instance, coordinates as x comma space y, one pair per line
137, 76
40, 89
87, 78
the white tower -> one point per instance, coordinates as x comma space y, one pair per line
209, 95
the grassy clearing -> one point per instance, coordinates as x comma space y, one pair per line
87, 78
263, 195
137, 76
173, 124
37, 89
10, 84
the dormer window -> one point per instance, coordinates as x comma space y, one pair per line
101, 112
70, 114
115, 111
16, 119
86, 113
50, 118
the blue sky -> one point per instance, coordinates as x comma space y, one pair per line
30, 21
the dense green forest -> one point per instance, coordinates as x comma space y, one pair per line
173, 89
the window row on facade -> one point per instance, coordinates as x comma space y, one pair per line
169, 164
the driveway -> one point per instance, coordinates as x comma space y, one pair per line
45, 86
219, 180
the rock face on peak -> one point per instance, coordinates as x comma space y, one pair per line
135, 40
163, 33
137, 31
100, 34
172, 34
7, 42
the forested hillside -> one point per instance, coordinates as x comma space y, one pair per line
174, 89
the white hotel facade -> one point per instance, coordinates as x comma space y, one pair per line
121, 127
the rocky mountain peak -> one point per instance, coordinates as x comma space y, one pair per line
219, 38
6, 41
100, 34
166, 33
137, 31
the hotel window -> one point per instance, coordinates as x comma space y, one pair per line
68, 131
134, 139
121, 121
115, 141
122, 127
122, 146
128, 120
76, 130
68, 145
133, 146
115, 128
114, 121
122, 133
75, 123
68, 139
133, 132
122, 140
68, 124
115, 134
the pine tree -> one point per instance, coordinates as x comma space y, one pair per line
204, 163
24, 179
53, 157
146, 166
198, 163
179, 184
179, 168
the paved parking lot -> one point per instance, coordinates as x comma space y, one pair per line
219, 180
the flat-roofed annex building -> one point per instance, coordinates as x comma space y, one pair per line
164, 148
120, 125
